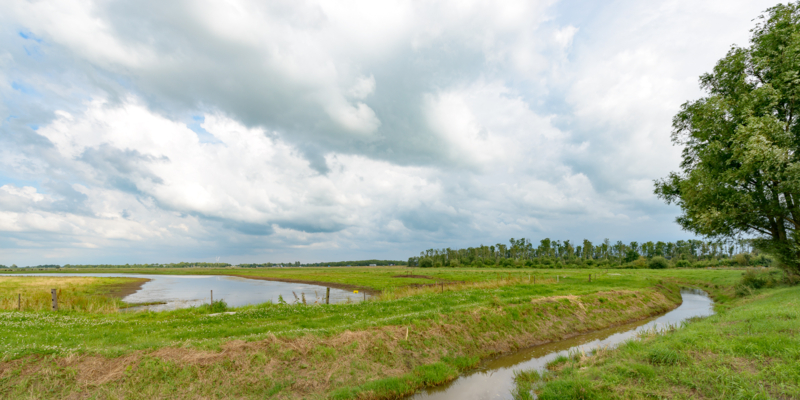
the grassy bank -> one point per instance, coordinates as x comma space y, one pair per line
751, 350
410, 338
81, 294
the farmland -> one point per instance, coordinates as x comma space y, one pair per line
414, 333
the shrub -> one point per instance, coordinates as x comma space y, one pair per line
755, 279
426, 263
683, 264
658, 262
742, 259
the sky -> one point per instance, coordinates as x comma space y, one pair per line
251, 131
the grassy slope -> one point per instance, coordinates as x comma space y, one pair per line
307, 351
749, 351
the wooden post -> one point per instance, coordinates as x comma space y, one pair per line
557, 278
590, 278
442, 286
54, 295
365, 296
327, 295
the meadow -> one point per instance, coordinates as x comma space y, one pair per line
419, 330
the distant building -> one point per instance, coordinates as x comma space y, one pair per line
373, 265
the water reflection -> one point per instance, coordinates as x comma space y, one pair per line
494, 379
179, 291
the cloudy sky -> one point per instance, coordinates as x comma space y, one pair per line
252, 131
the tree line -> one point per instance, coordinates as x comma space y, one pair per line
523, 253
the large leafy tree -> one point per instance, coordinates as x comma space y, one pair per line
740, 173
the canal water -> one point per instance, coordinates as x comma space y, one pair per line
494, 378
180, 291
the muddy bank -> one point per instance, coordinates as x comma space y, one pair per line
121, 290
343, 286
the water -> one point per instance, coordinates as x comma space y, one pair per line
180, 291
494, 379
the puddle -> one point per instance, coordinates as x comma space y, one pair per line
494, 378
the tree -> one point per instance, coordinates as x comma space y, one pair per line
740, 173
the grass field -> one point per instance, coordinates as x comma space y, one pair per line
84, 294
382, 279
407, 338
749, 351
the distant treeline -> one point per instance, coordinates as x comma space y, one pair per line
14, 266
171, 265
361, 263
557, 254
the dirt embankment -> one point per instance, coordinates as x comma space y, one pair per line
121, 290
312, 366
344, 286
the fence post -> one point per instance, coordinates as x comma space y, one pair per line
327, 295
590, 278
54, 295
365, 296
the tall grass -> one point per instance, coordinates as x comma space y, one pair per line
85, 294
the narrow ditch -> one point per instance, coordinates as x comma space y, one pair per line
494, 378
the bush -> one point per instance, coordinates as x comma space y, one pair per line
683, 264
755, 279
426, 263
658, 262
742, 259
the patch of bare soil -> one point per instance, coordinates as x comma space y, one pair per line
368, 290
121, 290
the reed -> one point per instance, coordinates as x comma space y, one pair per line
84, 294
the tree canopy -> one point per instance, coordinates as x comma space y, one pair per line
740, 173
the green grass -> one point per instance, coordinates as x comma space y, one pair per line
751, 350
383, 278
308, 351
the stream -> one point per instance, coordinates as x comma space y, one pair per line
494, 378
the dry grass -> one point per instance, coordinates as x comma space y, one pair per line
88, 294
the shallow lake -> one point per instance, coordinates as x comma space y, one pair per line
494, 378
180, 291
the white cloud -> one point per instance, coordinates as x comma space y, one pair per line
327, 129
